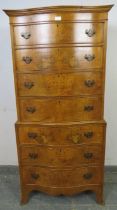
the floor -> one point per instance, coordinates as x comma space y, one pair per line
9, 194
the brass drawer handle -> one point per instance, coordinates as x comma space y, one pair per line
38, 138
35, 176
88, 108
31, 109
27, 59
33, 156
76, 138
26, 35
32, 135
88, 134
89, 57
89, 83
90, 32
88, 176
88, 155
28, 85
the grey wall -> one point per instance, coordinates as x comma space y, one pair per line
8, 154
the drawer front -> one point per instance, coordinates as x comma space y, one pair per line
61, 110
61, 156
59, 59
60, 84
61, 135
61, 178
66, 15
59, 32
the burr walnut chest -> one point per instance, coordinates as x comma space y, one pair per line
59, 56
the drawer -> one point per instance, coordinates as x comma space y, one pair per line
51, 15
82, 83
59, 32
61, 178
62, 109
59, 59
61, 156
60, 135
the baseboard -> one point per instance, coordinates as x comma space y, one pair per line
8, 169
14, 168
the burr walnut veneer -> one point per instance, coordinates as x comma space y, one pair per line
59, 56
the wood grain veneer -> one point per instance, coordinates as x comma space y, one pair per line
59, 58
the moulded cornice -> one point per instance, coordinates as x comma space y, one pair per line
51, 9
